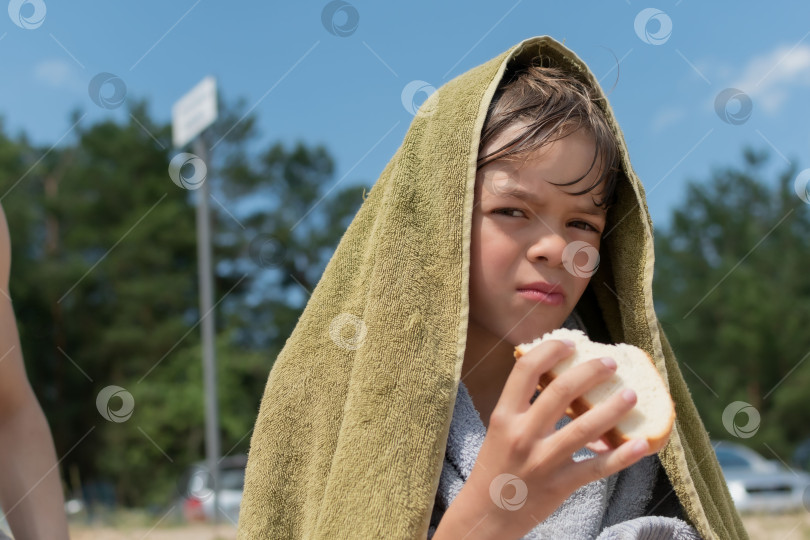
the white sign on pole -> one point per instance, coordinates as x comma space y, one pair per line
194, 112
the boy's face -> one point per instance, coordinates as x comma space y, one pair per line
553, 240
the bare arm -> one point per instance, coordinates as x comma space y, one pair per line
30, 490
522, 442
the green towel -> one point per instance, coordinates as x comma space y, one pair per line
352, 428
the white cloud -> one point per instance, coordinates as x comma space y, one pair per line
715, 70
59, 74
667, 117
768, 78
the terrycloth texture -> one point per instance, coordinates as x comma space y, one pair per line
609, 508
353, 425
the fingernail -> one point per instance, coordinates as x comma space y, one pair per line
640, 446
568, 342
609, 362
628, 395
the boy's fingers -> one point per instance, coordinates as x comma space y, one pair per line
598, 447
604, 465
525, 376
558, 395
594, 423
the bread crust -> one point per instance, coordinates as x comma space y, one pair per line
614, 436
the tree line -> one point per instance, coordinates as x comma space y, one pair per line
104, 286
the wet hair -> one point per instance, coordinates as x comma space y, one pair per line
553, 103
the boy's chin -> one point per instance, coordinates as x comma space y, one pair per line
528, 333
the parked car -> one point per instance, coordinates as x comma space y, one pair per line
759, 484
197, 494
801, 456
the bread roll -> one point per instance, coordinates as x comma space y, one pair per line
654, 413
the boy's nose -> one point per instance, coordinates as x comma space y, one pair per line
548, 247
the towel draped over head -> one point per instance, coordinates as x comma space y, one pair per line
352, 429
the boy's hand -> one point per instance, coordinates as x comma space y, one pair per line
525, 469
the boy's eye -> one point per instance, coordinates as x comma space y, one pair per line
507, 211
578, 224
585, 226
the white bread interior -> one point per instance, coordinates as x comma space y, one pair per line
654, 413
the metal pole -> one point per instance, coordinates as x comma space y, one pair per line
212, 447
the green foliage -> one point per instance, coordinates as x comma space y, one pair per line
733, 293
104, 284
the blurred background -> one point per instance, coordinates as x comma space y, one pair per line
314, 99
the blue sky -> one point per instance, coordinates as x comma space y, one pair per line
345, 92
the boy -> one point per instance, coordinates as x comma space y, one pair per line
466, 247
523, 223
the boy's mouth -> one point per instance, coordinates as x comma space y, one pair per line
539, 291
553, 299
542, 286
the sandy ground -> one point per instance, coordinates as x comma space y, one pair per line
760, 527
190, 532
794, 526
